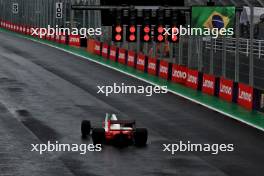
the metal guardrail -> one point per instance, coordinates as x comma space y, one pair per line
244, 46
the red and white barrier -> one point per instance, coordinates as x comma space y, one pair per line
113, 53
97, 48
74, 40
245, 96
226, 89
122, 56
105, 50
164, 69
152, 66
192, 79
179, 74
131, 56
208, 85
141, 61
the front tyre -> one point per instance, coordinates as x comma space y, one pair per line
86, 128
140, 137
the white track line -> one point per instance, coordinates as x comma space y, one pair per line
176, 93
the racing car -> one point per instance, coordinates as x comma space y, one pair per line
118, 132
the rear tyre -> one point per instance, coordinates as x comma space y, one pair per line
98, 135
140, 137
86, 128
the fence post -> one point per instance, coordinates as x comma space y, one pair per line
251, 58
200, 52
181, 38
224, 57
211, 71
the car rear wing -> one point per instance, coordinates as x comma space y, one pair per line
123, 122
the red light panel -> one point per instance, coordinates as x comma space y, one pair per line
118, 37
132, 29
146, 38
132, 37
174, 38
146, 29
118, 29
160, 29
160, 38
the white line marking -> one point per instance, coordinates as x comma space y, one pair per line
171, 91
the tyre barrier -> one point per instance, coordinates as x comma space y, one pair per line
228, 90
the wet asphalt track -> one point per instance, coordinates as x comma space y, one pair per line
45, 93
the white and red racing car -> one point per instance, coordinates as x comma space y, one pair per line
115, 131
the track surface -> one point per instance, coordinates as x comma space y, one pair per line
45, 93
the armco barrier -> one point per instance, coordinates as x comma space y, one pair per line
153, 66
122, 56
194, 79
113, 53
131, 58
141, 62
179, 74
164, 69
105, 52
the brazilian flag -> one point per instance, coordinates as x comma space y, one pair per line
213, 17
